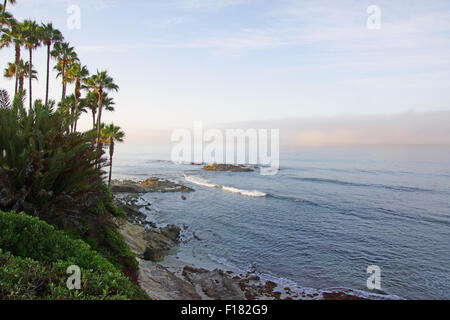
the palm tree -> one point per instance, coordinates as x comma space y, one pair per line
91, 102
6, 18
65, 54
110, 135
100, 83
32, 33
49, 36
65, 107
14, 35
4, 4
21, 71
77, 73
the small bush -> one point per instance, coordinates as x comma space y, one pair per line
27, 236
27, 279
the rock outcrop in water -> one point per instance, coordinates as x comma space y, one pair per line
226, 167
153, 184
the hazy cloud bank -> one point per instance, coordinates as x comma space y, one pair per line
413, 128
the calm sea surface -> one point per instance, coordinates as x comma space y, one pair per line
320, 222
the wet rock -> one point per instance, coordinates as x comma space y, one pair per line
154, 254
161, 242
196, 237
172, 232
133, 214
254, 278
161, 284
270, 286
276, 295
214, 284
226, 167
153, 184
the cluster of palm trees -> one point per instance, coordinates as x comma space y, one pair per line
29, 35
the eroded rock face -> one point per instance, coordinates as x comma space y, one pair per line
160, 283
226, 167
134, 215
214, 284
134, 237
153, 184
160, 243
151, 243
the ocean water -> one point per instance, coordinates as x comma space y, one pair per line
320, 222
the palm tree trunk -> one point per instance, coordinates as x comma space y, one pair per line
111, 153
17, 66
48, 74
75, 106
99, 118
63, 81
31, 79
21, 82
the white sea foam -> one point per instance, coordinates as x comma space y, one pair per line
248, 193
202, 182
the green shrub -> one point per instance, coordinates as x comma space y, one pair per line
27, 236
27, 279
103, 237
48, 252
105, 205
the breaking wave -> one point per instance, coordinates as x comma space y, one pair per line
204, 183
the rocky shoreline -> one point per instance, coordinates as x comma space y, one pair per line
166, 278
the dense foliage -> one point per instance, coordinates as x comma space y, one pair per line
34, 260
44, 170
26, 236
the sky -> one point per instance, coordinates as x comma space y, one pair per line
260, 61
